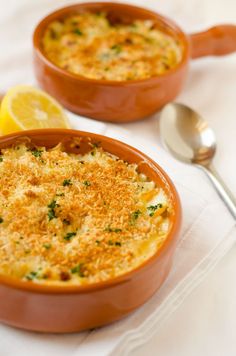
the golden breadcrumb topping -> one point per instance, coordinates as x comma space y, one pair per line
73, 218
94, 46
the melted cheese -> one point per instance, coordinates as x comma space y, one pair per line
89, 45
76, 219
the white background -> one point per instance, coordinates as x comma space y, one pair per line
205, 324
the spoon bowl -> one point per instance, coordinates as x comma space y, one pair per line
187, 135
189, 139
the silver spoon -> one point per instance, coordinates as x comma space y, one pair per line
189, 138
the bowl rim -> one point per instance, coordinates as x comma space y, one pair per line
37, 35
16, 283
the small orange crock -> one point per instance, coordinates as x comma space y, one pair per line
127, 100
61, 309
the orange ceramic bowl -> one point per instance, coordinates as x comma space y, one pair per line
61, 309
126, 100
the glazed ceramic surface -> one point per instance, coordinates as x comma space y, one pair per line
127, 100
73, 308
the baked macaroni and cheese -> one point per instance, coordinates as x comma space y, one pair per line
90, 45
76, 218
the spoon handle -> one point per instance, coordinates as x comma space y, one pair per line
221, 188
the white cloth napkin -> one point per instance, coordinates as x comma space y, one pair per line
207, 234
208, 230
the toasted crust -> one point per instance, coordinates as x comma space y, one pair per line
90, 45
69, 218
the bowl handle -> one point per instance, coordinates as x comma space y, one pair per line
216, 41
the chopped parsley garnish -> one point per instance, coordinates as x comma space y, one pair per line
110, 229
112, 243
51, 211
117, 230
78, 269
97, 242
60, 194
51, 214
53, 204
36, 153
66, 182
47, 246
95, 144
78, 32
69, 236
116, 48
1, 158
1, 220
153, 208
93, 153
87, 183
135, 215
32, 275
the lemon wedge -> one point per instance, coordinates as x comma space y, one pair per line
25, 108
